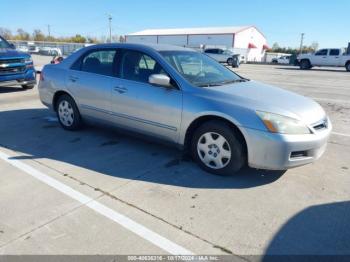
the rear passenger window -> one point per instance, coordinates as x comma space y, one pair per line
334, 52
322, 52
99, 62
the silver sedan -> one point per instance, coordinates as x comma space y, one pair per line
182, 96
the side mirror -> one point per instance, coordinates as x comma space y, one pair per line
159, 80
12, 46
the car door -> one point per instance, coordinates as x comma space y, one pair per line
90, 82
140, 106
334, 58
320, 57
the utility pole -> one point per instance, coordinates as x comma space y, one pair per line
301, 43
110, 27
49, 30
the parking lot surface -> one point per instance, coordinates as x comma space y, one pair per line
101, 191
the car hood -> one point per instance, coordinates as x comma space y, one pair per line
8, 52
257, 96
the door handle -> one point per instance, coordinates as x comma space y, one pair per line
120, 89
73, 78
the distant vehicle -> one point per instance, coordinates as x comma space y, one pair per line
325, 57
185, 97
281, 60
51, 51
33, 49
16, 67
22, 48
220, 55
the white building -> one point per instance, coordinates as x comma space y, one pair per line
246, 40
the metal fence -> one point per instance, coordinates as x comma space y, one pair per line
40, 47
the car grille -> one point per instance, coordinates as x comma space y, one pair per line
12, 61
12, 70
323, 124
12, 66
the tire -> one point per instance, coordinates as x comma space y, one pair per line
305, 64
67, 113
274, 62
347, 66
28, 87
218, 149
230, 61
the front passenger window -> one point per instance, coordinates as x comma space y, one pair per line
139, 67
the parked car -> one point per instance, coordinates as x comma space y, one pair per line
33, 49
220, 55
325, 57
16, 68
183, 96
51, 51
281, 60
22, 48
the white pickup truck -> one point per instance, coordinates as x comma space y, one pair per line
325, 57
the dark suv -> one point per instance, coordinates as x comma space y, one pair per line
16, 68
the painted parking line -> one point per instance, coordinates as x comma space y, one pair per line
340, 134
105, 211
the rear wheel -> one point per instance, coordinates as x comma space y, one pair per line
347, 66
27, 86
68, 113
305, 64
218, 149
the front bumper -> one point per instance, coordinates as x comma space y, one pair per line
26, 78
280, 152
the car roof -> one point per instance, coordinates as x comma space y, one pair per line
156, 47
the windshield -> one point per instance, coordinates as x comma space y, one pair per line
4, 43
199, 69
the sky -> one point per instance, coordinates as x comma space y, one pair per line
324, 21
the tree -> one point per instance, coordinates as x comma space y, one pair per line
6, 33
275, 46
77, 39
122, 39
22, 35
314, 45
38, 35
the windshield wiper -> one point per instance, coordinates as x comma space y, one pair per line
224, 82
210, 84
234, 81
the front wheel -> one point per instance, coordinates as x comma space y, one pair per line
68, 113
218, 149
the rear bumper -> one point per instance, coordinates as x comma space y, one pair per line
280, 152
26, 78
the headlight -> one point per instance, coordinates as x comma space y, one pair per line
282, 124
28, 60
